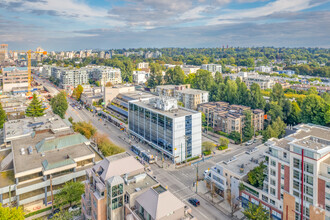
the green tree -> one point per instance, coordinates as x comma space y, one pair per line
295, 116
63, 215
256, 212
257, 100
106, 146
9, 213
156, 76
275, 129
3, 116
84, 128
203, 80
203, 119
243, 96
277, 94
59, 104
208, 146
218, 77
223, 142
71, 192
313, 90
313, 110
77, 92
174, 76
234, 135
275, 111
231, 94
35, 108
248, 129
256, 176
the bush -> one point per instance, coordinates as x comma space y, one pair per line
222, 147
206, 153
84, 128
222, 133
106, 146
193, 158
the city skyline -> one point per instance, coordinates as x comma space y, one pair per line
75, 25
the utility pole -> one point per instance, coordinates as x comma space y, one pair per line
51, 190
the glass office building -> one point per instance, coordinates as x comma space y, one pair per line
174, 131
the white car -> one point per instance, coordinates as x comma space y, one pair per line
74, 208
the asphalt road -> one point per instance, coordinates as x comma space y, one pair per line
178, 181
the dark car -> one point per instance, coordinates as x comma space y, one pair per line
194, 202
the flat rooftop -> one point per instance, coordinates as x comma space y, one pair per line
26, 127
55, 156
128, 96
310, 136
247, 161
191, 91
175, 113
147, 182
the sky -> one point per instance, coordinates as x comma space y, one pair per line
106, 24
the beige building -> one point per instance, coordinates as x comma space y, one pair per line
37, 153
14, 77
228, 118
111, 92
190, 98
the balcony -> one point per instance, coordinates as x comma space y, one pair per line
87, 213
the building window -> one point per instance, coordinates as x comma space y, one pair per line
296, 194
272, 202
272, 182
296, 174
308, 167
272, 191
282, 167
282, 176
327, 208
327, 184
308, 179
309, 191
296, 163
272, 172
327, 196
284, 154
264, 198
273, 163
296, 185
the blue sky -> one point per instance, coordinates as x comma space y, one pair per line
104, 24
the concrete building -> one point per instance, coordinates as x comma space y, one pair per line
119, 104
176, 132
143, 65
302, 87
212, 67
190, 98
41, 151
105, 74
73, 77
225, 177
140, 77
111, 92
14, 77
298, 161
187, 69
228, 118
264, 69
265, 82
3, 52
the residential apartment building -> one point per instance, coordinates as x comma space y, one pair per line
302, 87
105, 74
120, 188
224, 178
297, 176
212, 67
265, 82
40, 152
143, 65
14, 77
140, 77
187, 69
190, 98
174, 131
264, 69
73, 77
228, 118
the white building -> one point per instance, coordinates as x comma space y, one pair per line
212, 67
140, 77
175, 131
143, 65
187, 69
105, 74
264, 69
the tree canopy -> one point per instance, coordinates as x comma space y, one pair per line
3, 116
77, 92
256, 212
59, 104
35, 108
71, 192
11, 213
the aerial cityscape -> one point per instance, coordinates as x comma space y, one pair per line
165, 110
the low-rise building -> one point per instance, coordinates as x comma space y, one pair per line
228, 118
174, 131
213, 68
143, 65
40, 152
111, 92
303, 87
14, 77
187, 69
264, 69
190, 98
140, 77
105, 74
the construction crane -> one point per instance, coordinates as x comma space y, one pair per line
29, 52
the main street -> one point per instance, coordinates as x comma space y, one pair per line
179, 181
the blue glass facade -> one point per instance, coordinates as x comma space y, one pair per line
188, 133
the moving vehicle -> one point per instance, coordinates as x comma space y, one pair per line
194, 202
249, 143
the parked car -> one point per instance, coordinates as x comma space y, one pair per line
255, 141
205, 172
194, 202
52, 214
249, 143
74, 208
